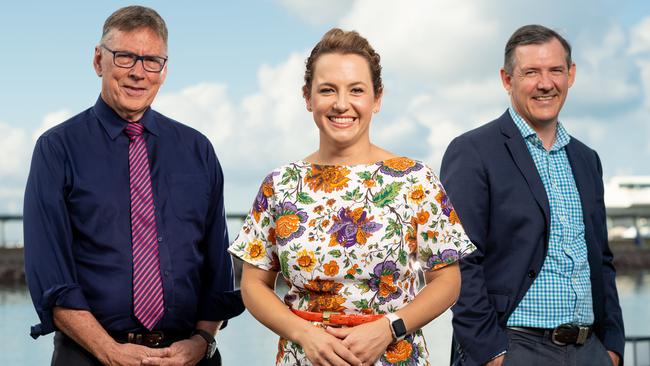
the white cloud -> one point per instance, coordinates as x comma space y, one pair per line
603, 78
50, 120
640, 37
436, 41
14, 147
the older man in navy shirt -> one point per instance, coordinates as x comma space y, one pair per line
125, 233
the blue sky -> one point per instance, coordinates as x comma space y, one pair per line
236, 68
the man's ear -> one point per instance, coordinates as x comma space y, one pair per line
97, 61
506, 80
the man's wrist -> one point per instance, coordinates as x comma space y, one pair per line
211, 343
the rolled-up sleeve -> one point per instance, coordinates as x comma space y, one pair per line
219, 300
49, 264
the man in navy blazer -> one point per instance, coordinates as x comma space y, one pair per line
539, 289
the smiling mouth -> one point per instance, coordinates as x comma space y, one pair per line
544, 98
342, 122
133, 91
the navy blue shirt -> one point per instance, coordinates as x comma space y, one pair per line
77, 223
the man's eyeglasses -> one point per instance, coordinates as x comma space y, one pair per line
127, 60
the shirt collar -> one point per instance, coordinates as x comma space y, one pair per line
114, 124
562, 137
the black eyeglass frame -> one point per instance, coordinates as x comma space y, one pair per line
137, 58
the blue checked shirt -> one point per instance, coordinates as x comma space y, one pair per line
561, 292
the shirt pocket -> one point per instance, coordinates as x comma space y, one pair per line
189, 196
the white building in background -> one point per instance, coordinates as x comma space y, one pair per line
627, 200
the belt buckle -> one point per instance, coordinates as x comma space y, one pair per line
154, 339
556, 333
326, 318
583, 333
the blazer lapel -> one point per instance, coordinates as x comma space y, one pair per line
521, 156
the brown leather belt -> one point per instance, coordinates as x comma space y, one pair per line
561, 335
154, 339
336, 319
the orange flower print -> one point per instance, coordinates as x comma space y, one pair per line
325, 223
399, 352
271, 236
255, 250
447, 208
330, 201
312, 222
369, 183
287, 225
352, 227
323, 286
306, 260
327, 178
352, 271
453, 217
261, 200
318, 209
387, 285
400, 163
331, 268
422, 217
398, 167
412, 240
324, 296
326, 302
416, 194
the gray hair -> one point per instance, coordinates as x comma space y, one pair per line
133, 17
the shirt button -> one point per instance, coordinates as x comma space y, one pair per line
531, 274
166, 273
160, 239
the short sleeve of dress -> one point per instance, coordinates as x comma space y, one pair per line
441, 239
256, 243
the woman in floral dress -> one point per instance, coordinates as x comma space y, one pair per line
349, 227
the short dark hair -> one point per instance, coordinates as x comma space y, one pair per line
342, 42
532, 34
133, 17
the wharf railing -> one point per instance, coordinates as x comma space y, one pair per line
637, 351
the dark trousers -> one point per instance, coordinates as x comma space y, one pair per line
531, 350
67, 352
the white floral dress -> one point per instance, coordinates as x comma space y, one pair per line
351, 239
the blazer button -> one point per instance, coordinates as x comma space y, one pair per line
531, 274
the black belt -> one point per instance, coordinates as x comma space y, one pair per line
154, 339
561, 335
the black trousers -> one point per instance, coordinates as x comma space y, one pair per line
67, 352
531, 350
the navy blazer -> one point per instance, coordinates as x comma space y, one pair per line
499, 196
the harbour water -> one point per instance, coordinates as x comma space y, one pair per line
246, 342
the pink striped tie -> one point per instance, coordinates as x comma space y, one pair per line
148, 305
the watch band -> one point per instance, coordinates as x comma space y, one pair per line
397, 326
209, 339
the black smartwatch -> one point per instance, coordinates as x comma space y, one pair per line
212, 343
397, 327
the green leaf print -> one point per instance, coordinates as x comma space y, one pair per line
365, 175
380, 179
335, 253
402, 257
353, 195
304, 198
284, 264
387, 194
361, 304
